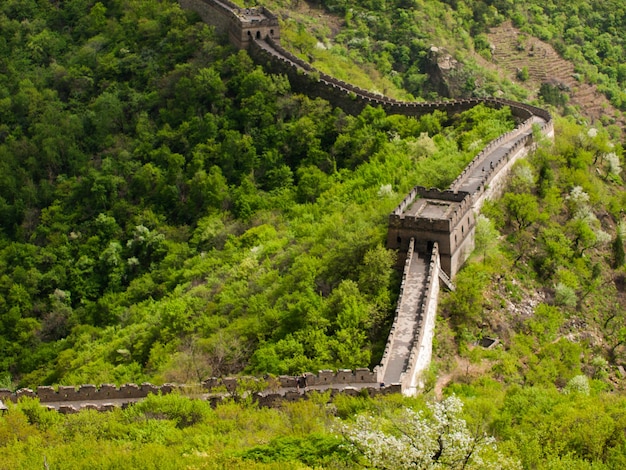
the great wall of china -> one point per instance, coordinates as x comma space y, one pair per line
432, 230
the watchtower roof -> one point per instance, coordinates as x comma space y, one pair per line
252, 15
436, 209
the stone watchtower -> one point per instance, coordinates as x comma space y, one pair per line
242, 25
255, 23
430, 215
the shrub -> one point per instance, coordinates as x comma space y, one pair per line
182, 410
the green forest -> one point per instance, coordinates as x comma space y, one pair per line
171, 211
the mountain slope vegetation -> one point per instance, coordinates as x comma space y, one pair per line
170, 211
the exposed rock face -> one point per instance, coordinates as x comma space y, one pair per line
447, 76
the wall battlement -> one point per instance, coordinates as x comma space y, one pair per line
70, 399
88, 392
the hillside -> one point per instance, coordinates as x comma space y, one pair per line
515, 51
170, 210
197, 218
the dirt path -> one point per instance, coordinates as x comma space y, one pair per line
463, 371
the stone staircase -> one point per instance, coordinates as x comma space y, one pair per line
407, 323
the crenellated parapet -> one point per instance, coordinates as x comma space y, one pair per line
70, 399
323, 379
87, 393
304, 78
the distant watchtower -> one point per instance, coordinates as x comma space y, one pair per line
242, 25
255, 23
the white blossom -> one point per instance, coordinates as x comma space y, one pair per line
524, 173
577, 196
385, 190
602, 238
578, 384
414, 440
614, 165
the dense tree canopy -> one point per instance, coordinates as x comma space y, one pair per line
170, 207
169, 210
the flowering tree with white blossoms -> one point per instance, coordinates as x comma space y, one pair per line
414, 440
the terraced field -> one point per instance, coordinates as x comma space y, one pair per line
515, 50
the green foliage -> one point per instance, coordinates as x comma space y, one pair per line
545, 323
465, 305
182, 411
565, 295
170, 211
312, 450
535, 425
217, 226
522, 209
523, 74
552, 94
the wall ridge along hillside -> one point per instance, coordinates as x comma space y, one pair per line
428, 224
273, 390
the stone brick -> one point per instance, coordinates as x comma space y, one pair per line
25, 392
148, 388
87, 392
325, 377
350, 391
364, 375
47, 394
108, 391
292, 396
288, 381
131, 391
215, 400
344, 376
230, 383
67, 393
67, 409
211, 383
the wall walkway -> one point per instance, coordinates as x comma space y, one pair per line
406, 322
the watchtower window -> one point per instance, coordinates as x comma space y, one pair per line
249, 33
462, 230
258, 34
272, 32
399, 240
